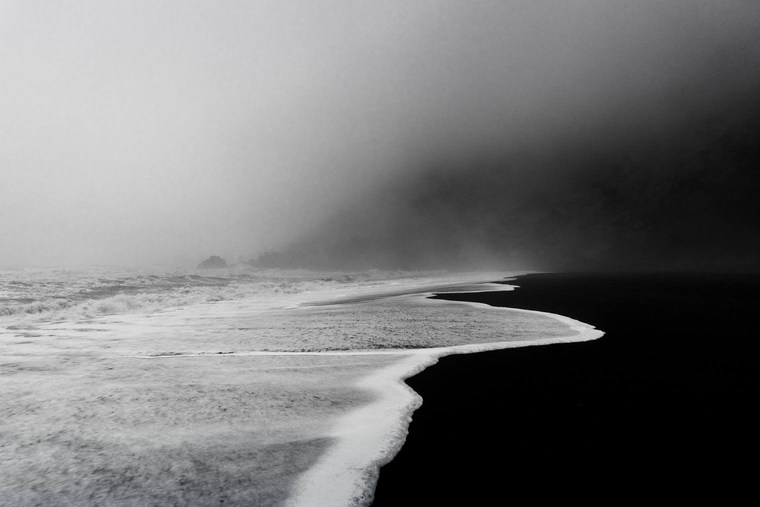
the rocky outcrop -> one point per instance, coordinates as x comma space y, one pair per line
213, 262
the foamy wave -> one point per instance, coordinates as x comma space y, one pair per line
247, 339
140, 302
372, 435
40, 295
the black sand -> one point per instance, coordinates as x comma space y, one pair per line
663, 407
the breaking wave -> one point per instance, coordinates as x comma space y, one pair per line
39, 295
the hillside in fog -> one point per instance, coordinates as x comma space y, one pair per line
684, 199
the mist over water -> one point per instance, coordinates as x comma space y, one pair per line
635, 149
521, 134
684, 199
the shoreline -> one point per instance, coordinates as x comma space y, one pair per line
662, 407
343, 476
243, 423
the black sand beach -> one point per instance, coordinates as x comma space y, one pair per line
663, 407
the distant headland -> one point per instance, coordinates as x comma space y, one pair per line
213, 262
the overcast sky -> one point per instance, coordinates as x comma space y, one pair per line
137, 131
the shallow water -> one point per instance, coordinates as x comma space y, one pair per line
120, 386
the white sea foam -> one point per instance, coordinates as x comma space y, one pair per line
45, 294
118, 325
371, 436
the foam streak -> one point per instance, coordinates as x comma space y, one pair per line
372, 435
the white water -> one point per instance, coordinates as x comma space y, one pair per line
371, 436
274, 329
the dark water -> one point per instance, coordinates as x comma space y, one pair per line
664, 406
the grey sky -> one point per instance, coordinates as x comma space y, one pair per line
135, 131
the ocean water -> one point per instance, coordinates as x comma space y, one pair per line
124, 386
44, 294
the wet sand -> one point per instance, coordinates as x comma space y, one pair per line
663, 407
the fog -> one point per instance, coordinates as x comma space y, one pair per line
373, 134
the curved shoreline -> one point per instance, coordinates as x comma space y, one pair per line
662, 407
369, 437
